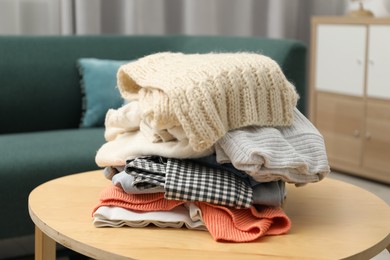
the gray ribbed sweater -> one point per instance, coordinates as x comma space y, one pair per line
295, 154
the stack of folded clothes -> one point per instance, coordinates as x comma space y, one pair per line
207, 142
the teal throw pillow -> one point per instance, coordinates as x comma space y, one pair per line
98, 86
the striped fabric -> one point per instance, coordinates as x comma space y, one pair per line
294, 154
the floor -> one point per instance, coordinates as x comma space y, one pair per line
23, 248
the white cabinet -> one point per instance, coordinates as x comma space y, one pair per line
340, 58
378, 61
350, 93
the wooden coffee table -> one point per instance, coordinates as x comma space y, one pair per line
330, 220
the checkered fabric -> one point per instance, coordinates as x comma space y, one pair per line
148, 172
190, 181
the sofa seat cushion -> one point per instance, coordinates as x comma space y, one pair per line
29, 159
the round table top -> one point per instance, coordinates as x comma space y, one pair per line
330, 220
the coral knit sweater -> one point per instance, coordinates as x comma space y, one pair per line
223, 223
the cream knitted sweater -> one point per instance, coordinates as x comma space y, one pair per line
208, 94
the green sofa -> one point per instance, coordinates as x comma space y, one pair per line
41, 104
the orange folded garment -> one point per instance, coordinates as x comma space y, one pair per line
243, 225
116, 196
223, 223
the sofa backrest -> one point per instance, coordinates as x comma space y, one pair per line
40, 83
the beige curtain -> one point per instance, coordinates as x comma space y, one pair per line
276, 18
268, 18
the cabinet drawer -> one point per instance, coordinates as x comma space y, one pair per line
340, 119
377, 137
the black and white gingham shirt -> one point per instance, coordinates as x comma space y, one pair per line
190, 181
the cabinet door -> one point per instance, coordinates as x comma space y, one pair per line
340, 58
377, 137
378, 84
340, 119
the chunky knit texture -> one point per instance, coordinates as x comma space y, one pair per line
223, 223
208, 94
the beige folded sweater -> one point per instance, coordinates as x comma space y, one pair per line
208, 94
